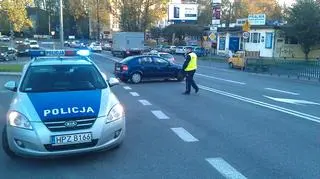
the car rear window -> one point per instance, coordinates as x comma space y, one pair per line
54, 78
126, 60
33, 43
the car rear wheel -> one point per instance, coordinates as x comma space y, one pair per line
5, 144
136, 78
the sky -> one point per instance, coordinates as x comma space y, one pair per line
288, 2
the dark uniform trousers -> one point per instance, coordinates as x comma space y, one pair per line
190, 81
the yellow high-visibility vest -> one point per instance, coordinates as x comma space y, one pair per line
193, 62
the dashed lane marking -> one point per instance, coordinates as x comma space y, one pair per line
159, 114
145, 102
134, 94
127, 88
225, 168
184, 134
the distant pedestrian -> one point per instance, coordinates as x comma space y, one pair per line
190, 67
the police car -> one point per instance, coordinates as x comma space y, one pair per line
63, 105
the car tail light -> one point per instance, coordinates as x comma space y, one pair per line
124, 68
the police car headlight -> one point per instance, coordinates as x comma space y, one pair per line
16, 119
116, 113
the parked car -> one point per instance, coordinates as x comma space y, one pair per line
67, 43
75, 44
19, 42
4, 38
138, 68
166, 49
34, 44
106, 46
26, 41
167, 56
23, 50
7, 54
200, 51
172, 49
181, 50
95, 47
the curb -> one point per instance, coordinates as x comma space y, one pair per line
10, 73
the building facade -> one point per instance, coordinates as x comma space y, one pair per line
263, 41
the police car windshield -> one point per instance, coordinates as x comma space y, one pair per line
53, 78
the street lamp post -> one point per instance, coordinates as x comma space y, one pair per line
61, 24
52, 37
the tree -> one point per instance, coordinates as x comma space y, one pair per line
99, 14
269, 7
205, 14
232, 10
303, 24
182, 30
16, 13
138, 15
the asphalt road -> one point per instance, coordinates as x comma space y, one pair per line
239, 126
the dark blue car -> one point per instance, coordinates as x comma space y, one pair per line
137, 68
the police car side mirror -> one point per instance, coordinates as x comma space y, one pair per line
113, 82
11, 85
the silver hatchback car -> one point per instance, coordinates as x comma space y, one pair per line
63, 105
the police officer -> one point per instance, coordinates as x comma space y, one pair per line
190, 67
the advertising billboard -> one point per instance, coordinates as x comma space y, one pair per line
183, 12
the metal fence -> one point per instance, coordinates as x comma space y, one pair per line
285, 67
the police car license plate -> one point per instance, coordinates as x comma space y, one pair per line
71, 139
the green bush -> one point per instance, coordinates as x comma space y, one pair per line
11, 67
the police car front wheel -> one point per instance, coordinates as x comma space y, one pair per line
5, 144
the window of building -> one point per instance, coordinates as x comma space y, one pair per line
222, 43
255, 38
247, 40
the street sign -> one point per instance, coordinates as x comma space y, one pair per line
205, 38
246, 26
246, 35
212, 36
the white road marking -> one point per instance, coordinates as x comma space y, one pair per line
221, 79
127, 88
145, 102
160, 114
184, 135
263, 104
282, 91
134, 94
292, 101
225, 168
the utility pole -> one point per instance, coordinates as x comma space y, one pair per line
98, 20
61, 25
49, 23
